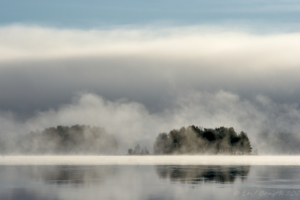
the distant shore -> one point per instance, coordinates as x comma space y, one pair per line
149, 160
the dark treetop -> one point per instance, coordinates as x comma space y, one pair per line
196, 140
77, 139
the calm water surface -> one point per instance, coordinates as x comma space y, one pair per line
149, 182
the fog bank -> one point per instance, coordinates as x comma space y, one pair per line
132, 123
139, 82
150, 160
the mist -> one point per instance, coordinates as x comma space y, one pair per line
139, 82
132, 123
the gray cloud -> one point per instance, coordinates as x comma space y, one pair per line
137, 83
30, 86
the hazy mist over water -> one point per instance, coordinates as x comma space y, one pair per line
83, 82
244, 160
140, 69
137, 83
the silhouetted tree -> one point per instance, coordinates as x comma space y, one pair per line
130, 151
77, 139
138, 151
197, 140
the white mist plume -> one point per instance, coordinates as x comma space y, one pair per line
131, 122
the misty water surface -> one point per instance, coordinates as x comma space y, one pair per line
149, 182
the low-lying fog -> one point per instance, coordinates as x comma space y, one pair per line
138, 83
150, 160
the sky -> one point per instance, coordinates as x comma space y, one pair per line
138, 68
109, 14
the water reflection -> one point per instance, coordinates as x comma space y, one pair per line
147, 182
77, 175
202, 174
61, 175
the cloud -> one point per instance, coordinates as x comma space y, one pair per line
42, 68
132, 123
138, 82
202, 45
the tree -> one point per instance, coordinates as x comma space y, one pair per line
195, 140
130, 151
77, 139
138, 151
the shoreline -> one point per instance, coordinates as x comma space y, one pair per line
149, 160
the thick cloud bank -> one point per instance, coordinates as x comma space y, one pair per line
42, 68
137, 83
200, 44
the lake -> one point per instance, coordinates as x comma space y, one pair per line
149, 182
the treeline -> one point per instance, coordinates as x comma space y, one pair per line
82, 139
77, 139
196, 140
138, 151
